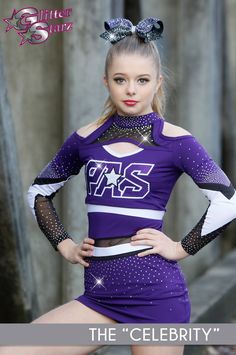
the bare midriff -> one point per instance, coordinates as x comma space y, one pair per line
108, 242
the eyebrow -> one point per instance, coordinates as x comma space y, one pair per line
138, 75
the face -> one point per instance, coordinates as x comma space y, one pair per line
134, 78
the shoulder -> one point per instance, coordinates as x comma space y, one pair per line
88, 129
171, 130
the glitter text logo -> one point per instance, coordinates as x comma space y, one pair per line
107, 178
32, 26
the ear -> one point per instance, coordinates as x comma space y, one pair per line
105, 81
159, 81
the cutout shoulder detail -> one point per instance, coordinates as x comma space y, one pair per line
171, 130
85, 131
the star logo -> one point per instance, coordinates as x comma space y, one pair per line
12, 22
112, 177
26, 37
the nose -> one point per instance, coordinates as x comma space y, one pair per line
131, 88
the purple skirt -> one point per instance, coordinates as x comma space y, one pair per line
133, 289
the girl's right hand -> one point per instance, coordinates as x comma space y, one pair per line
74, 253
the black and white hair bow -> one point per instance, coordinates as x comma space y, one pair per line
148, 29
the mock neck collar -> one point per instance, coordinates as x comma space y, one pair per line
135, 121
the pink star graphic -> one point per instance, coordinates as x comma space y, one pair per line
11, 21
26, 36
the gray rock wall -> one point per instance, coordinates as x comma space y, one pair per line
34, 84
17, 282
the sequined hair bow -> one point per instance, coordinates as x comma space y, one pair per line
148, 29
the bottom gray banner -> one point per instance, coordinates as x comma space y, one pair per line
117, 334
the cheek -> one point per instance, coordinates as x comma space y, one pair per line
115, 90
149, 92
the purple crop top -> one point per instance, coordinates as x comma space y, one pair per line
128, 192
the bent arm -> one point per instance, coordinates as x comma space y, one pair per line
192, 158
65, 164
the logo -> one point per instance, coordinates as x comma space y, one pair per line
106, 178
32, 24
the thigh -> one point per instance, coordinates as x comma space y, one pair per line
71, 312
157, 350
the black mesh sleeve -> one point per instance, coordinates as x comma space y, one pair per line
64, 165
192, 158
194, 241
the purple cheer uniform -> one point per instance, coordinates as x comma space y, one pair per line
127, 192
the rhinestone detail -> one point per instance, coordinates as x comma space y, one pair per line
135, 121
139, 128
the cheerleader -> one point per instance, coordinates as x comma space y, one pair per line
132, 159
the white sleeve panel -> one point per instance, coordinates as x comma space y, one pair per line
221, 211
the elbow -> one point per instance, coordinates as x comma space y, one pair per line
30, 197
232, 202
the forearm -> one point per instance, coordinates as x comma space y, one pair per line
49, 221
219, 214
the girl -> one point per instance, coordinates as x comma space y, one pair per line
132, 159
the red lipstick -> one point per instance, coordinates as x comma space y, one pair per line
130, 102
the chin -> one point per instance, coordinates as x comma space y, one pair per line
126, 112
130, 111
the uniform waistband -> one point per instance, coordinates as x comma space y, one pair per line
116, 246
118, 249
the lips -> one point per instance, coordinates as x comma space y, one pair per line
130, 102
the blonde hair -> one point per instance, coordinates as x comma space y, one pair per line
130, 45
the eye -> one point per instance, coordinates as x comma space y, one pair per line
143, 80
119, 80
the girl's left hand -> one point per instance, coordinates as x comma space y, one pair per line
161, 243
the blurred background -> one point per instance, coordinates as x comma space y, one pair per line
49, 90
